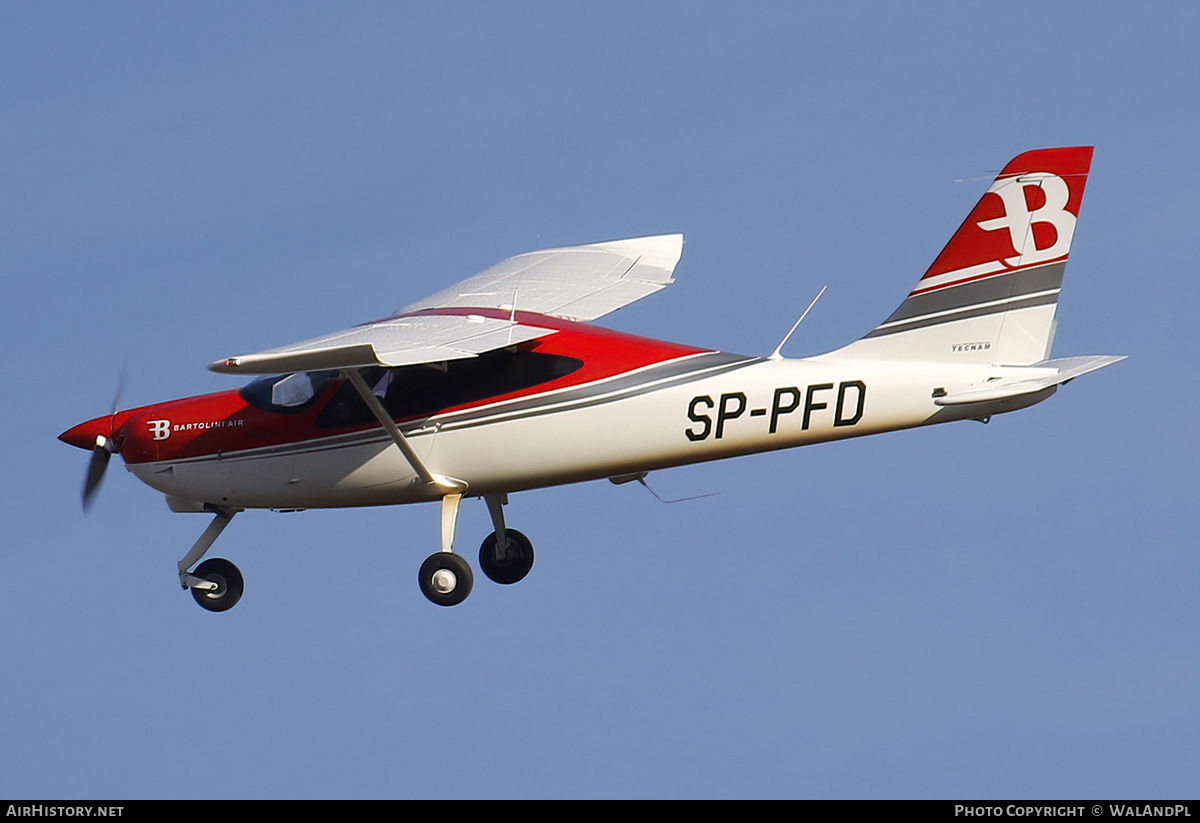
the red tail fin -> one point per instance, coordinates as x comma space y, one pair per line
991, 295
1027, 217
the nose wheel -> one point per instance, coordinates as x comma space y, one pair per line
226, 588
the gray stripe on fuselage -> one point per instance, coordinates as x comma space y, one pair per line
1018, 290
999, 308
1002, 287
619, 387
641, 382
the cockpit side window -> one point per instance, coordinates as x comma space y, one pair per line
413, 391
286, 393
293, 390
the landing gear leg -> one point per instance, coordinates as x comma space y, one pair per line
506, 555
445, 577
216, 584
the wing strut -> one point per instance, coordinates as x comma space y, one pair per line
389, 425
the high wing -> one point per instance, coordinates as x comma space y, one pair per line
577, 282
396, 341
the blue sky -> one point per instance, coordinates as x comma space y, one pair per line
965, 611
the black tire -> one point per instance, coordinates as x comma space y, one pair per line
513, 565
229, 585
463, 578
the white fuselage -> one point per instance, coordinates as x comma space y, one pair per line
633, 423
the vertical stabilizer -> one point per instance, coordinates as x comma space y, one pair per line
990, 297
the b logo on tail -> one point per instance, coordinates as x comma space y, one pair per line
1036, 198
1031, 242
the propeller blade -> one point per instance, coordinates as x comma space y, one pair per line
96, 467
116, 406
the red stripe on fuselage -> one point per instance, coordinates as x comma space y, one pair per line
212, 424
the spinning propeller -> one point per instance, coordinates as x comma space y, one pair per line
104, 446
101, 452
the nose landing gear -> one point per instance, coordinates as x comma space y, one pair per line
216, 584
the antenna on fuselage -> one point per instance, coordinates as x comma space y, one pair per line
775, 355
512, 312
641, 478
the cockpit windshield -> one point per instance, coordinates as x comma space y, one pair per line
286, 393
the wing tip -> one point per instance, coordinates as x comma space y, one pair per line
229, 365
658, 250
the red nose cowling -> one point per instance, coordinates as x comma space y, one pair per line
84, 435
112, 427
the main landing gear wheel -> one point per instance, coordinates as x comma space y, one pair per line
446, 578
229, 585
506, 564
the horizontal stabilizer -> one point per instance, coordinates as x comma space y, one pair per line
1023, 380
